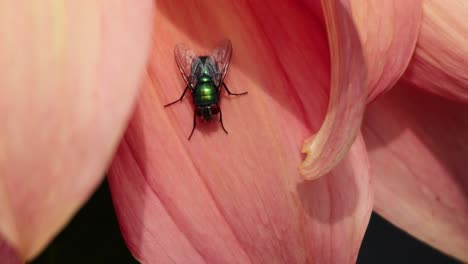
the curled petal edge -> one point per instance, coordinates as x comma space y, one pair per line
348, 95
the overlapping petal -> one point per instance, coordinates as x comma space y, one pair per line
441, 56
65, 99
347, 95
418, 151
8, 253
388, 32
239, 197
377, 37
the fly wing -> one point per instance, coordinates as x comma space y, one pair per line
222, 56
184, 58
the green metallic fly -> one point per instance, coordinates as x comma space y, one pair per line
204, 76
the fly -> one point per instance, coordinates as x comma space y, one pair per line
204, 76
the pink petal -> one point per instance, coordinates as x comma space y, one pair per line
441, 59
378, 34
388, 31
70, 72
418, 152
238, 198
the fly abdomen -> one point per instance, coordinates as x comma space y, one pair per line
205, 93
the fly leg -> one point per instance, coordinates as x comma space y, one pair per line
194, 124
221, 120
180, 99
229, 92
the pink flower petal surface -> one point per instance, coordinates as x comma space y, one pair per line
388, 30
238, 198
440, 61
70, 73
418, 151
374, 36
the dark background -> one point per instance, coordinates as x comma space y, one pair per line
93, 237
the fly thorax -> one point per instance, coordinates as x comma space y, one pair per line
204, 66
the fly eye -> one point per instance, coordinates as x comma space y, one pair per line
198, 111
214, 109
